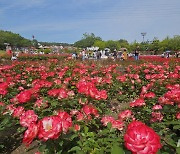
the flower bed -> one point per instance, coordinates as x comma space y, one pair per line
92, 107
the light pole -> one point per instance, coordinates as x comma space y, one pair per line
143, 34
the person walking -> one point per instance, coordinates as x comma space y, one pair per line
124, 55
136, 53
14, 56
83, 55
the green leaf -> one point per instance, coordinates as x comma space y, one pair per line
1, 146
73, 136
76, 148
86, 129
171, 142
109, 125
42, 148
117, 150
90, 134
172, 122
178, 150
61, 143
176, 127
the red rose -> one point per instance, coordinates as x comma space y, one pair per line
24, 96
80, 116
89, 109
3, 88
53, 92
178, 115
141, 139
1, 104
77, 127
62, 93
30, 134
149, 95
103, 94
118, 124
137, 102
18, 111
27, 118
66, 121
49, 128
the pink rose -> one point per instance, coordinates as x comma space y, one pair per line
125, 114
106, 119
157, 107
141, 139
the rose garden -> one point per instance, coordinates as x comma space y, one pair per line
93, 107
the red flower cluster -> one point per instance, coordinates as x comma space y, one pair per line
137, 102
89, 89
172, 96
46, 128
141, 139
86, 113
117, 124
60, 93
3, 88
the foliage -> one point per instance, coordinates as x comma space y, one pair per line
47, 51
87, 41
13, 39
112, 45
100, 44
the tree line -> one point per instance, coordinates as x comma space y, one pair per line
156, 46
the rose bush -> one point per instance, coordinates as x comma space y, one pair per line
93, 107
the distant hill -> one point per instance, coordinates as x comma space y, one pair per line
16, 40
13, 39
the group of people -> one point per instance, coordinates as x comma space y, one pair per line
96, 54
122, 55
102, 54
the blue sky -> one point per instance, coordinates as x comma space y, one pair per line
67, 20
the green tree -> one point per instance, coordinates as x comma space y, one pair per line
100, 44
133, 46
124, 43
15, 40
156, 46
165, 44
175, 43
87, 40
113, 45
